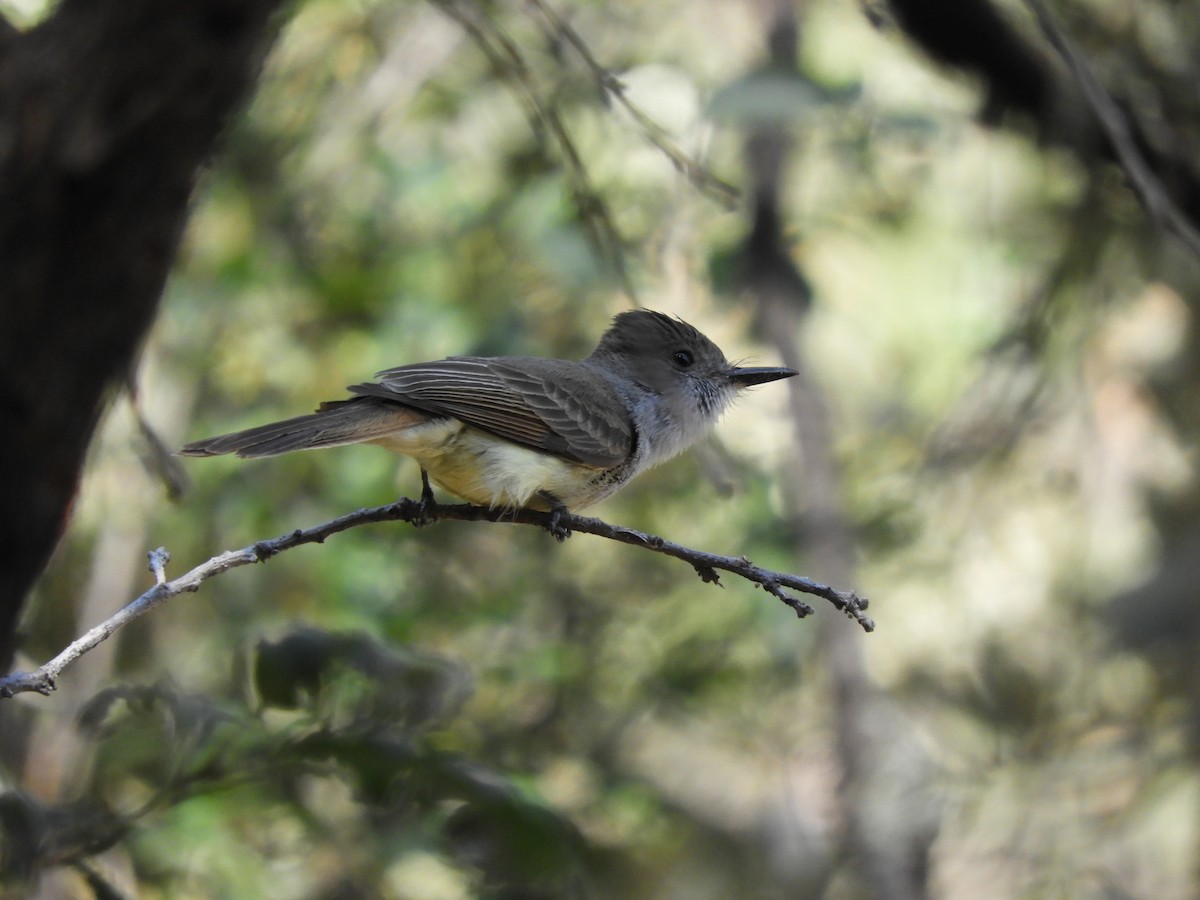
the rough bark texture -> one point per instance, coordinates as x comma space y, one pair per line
108, 110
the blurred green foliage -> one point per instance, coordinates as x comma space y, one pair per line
534, 720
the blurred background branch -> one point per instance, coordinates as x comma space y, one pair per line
1121, 137
888, 815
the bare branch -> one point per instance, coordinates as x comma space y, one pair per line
778, 584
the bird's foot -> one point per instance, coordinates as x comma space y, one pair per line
426, 504
557, 512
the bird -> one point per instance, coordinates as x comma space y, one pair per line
528, 432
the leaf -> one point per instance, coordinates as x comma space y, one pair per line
359, 678
22, 831
771, 95
287, 669
510, 839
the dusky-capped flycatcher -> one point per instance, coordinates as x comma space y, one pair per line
512, 431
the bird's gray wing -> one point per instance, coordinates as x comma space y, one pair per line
535, 402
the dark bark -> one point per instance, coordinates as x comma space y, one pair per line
972, 35
108, 111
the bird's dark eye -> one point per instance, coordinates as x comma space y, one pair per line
683, 358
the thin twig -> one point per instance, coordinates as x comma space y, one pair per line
691, 169
158, 564
778, 584
1146, 184
543, 115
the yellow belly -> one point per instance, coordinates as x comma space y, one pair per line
489, 471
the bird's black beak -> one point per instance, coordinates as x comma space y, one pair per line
745, 377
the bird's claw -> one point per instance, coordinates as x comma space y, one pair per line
426, 504
556, 526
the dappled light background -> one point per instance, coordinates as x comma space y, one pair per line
1002, 341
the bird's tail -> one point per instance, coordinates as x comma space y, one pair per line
335, 423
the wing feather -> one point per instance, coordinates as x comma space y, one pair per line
535, 402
